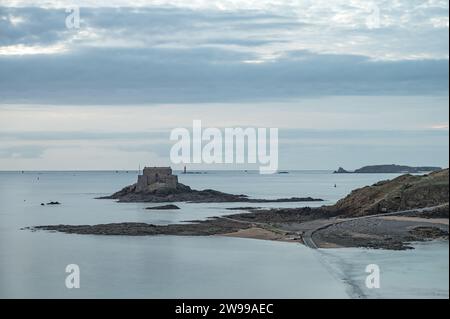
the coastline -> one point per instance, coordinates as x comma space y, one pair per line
389, 214
398, 229
314, 228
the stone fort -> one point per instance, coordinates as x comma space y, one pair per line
154, 178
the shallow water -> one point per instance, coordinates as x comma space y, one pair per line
32, 264
419, 273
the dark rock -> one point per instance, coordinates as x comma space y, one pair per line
425, 233
243, 208
164, 207
184, 193
341, 171
53, 203
202, 228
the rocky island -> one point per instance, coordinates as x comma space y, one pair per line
389, 169
159, 185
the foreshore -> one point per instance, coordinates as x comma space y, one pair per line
393, 231
314, 227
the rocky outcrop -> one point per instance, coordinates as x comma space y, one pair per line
402, 193
158, 185
211, 226
163, 207
51, 203
341, 171
201, 228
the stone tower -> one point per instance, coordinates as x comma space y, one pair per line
154, 178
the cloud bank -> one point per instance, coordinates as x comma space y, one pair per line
167, 52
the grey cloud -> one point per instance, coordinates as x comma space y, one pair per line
44, 26
106, 76
159, 26
196, 72
37, 27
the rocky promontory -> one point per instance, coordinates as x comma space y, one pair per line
405, 192
159, 185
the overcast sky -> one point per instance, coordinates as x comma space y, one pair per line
348, 83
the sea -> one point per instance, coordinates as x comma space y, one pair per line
33, 264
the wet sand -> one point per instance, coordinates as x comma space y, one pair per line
263, 234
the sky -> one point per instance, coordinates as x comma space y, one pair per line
348, 83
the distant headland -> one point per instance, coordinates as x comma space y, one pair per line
390, 168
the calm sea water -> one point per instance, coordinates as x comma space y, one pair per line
32, 264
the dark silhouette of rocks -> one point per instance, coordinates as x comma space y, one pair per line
163, 207
243, 208
341, 171
201, 228
426, 233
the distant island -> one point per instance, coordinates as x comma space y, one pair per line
391, 168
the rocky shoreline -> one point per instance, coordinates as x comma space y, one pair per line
393, 233
209, 227
286, 225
